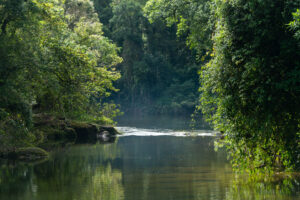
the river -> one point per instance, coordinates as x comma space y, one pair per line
146, 163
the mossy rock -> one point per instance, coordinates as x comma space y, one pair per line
30, 153
76, 124
61, 129
91, 132
86, 132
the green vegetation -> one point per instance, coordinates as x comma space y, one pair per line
57, 59
159, 72
54, 59
250, 82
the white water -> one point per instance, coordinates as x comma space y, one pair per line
132, 131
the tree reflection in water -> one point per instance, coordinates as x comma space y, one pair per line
278, 187
139, 168
81, 172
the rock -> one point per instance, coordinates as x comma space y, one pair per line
88, 132
85, 132
111, 130
61, 129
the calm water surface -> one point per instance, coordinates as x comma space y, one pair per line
144, 164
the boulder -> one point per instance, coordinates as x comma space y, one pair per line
61, 129
90, 133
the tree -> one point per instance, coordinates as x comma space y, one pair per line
194, 20
153, 68
54, 57
250, 84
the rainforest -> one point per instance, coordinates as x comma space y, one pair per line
117, 82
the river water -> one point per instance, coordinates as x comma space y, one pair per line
144, 164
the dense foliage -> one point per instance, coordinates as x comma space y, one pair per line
159, 73
54, 59
250, 84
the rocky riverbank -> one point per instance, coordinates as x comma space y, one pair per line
51, 131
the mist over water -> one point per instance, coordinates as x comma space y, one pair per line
170, 122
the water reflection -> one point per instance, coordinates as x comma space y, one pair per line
282, 188
80, 172
138, 168
105, 184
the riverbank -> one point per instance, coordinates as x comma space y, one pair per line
51, 131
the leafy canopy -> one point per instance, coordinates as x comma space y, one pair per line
53, 57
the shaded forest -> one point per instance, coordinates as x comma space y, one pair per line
159, 72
